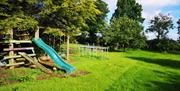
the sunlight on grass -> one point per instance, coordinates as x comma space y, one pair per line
122, 71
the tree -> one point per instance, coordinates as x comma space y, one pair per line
122, 31
17, 14
129, 8
95, 27
178, 22
160, 25
139, 40
127, 21
69, 15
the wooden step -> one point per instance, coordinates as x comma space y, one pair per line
16, 41
49, 64
18, 49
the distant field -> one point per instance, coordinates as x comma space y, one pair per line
134, 70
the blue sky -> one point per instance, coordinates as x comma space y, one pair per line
152, 8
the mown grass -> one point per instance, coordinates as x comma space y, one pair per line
134, 70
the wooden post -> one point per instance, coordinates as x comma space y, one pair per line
59, 47
11, 46
67, 53
37, 33
54, 42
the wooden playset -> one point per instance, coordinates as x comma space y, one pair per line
17, 50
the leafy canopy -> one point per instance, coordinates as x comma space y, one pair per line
161, 25
17, 14
89, 34
69, 15
123, 30
129, 8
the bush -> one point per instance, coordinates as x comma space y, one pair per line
163, 45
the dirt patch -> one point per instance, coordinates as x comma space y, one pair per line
5, 77
79, 73
48, 76
75, 74
12, 76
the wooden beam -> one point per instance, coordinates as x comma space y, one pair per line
16, 41
37, 33
35, 61
47, 63
17, 56
14, 64
11, 46
18, 49
50, 64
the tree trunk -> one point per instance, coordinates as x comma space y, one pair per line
124, 48
59, 44
117, 46
158, 37
67, 53
49, 39
11, 45
37, 33
54, 42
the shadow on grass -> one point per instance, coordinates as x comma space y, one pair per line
144, 79
163, 62
144, 83
174, 52
172, 82
167, 86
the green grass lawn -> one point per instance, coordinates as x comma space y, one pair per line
134, 70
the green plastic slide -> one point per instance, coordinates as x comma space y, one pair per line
53, 55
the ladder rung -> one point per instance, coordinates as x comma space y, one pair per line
18, 56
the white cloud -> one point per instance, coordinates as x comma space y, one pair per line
150, 36
158, 3
111, 4
173, 35
153, 7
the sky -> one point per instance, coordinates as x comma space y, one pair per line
152, 8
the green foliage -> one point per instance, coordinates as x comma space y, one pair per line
53, 31
69, 15
123, 30
139, 41
17, 14
89, 34
161, 25
126, 25
21, 79
18, 75
178, 22
129, 8
19, 23
163, 45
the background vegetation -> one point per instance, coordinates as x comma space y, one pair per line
61, 22
84, 21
